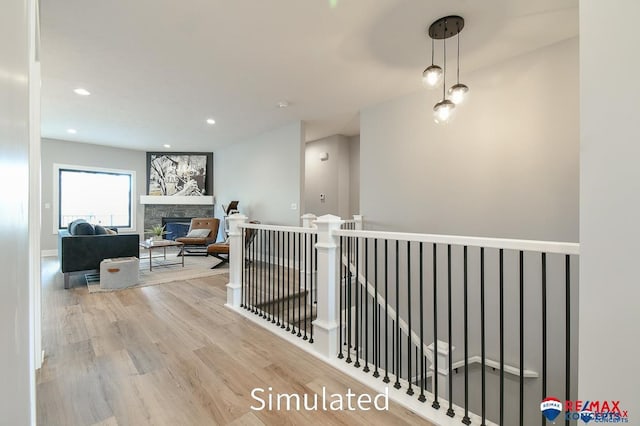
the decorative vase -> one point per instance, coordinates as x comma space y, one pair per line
157, 238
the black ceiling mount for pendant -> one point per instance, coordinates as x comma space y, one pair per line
446, 27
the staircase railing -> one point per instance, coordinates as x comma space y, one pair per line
478, 329
275, 283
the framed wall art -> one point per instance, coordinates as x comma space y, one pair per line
180, 174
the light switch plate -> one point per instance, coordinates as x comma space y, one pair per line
294, 206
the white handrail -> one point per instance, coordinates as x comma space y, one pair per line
294, 229
496, 243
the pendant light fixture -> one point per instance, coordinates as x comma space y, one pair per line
432, 75
443, 110
442, 29
458, 92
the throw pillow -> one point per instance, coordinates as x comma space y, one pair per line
110, 231
100, 230
84, 228
199, 233
72, 226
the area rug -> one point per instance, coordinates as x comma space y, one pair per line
166, 271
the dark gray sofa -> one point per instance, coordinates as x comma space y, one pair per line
85, 252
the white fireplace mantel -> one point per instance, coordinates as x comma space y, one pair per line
176, 199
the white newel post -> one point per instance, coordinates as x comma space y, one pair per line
236, 262
308, 219
359, 225
327, 321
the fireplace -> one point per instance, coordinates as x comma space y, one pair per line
165, 214
176, 227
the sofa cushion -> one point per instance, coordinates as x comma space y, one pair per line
72, 226
100, 230
198, 233
84, 228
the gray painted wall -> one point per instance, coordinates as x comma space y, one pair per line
354, 175
82, 154
507, 167
15, 330
265, 174
330, 177
609, 204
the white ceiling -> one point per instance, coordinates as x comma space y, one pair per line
157, 69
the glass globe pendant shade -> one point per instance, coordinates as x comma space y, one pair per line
443, 111
458, 93
432, 76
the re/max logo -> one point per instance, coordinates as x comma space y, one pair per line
596, 407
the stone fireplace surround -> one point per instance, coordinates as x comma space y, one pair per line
153, 213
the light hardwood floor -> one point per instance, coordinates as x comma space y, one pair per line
172, 354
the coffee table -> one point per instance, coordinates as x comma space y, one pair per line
163, 244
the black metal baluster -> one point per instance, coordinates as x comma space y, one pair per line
298, 293
450, 411
466, 420
256, 277
253, 272
293, 284
386, 311
436, 403
397, 322
366, 305
256, 283
521, 338
244, 265
357, 292
272, 277
288, 281
376, 312
283, 299
544, 330
567, 366
274, 285
265, 294
306, 289
262, 275
349, 299
410, 390
482, 340
279, 280
423, 375
501, 336
340, 304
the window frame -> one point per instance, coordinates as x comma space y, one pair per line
57, 168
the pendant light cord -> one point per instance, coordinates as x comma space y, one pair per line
432, 51
444, 72
458, 61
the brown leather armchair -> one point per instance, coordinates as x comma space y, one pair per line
198, 244
221, 250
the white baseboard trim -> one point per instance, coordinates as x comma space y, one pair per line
49, 253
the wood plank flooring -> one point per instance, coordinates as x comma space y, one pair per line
172, 354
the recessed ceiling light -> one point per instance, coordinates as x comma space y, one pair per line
211, 121
72, 131
282, 104
166, 145
82, 92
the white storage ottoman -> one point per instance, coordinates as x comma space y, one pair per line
120, 272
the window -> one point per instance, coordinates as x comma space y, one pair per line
99, 196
